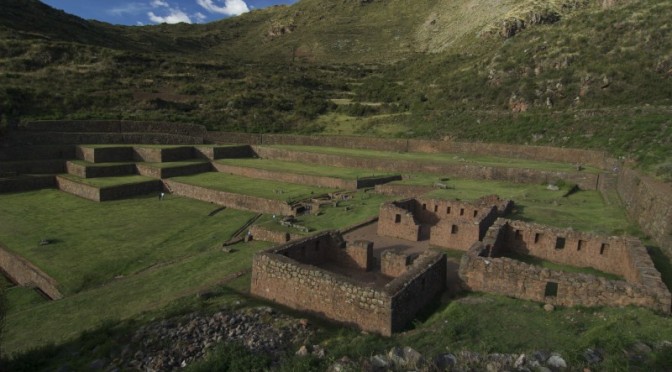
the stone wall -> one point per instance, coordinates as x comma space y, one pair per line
63, 138
25, 274
586, 181
92, 171
404, 191
224, 152
230, 200
27, 183
45, 166
481, 271
393, 264
278, 237
287, 275
162, 155
105, 154
36, 152
398, 221
177, 171
103, 126
107, 193
594, 158
649, 203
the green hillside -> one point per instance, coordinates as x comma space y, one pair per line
592, 74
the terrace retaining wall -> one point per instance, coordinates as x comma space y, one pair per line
45, 166
230, 200
162, 155
178, 171
63, 138
405, 191
24, 273
649, 203
107, 193
585, 181
92, 171
114, 126
27, 183
105, 154
37, 152
224, 152
278, 237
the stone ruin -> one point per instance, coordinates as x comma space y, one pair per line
486, 267
327, 277
445, 223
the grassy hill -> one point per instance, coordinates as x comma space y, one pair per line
574, 73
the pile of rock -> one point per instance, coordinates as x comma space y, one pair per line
176, 343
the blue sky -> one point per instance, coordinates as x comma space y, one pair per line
147, 12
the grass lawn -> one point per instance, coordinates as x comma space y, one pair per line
582, 211
442, 158
302, 168
96, 242
102, 182
92, 165
59, 321
174, 164
253, 187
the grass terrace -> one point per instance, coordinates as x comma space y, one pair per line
103, 182
302, 168
89, 164
442, 158
252, 187
174, 164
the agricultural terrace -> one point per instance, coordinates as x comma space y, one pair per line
440, 158
103, 182
302, 168
174, 164
253, 187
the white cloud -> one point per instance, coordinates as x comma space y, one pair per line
128, 9
230, 8
200, 17
174, 16
159, 4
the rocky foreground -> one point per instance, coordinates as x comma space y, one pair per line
178, 342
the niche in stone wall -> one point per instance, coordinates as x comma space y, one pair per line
537, 237
604, 248
397, 218
475, 213
461, 211
581, 245
551, 289
448, 210
560, 243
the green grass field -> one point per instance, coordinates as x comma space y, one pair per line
253, 187
94, 242
173, 164
302, 168
441, 158
103, 182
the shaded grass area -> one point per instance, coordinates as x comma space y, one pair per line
254, 187
302, 168
19, 298
89, 164
153, 289
441, 158
173, 164
361, 206
102, 182
94, 242
561, 267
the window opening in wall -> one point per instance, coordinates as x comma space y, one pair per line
453, 229
537, 237
424, 206
397, 218
475, 213
560, 243
551, 289
519, 235
448, 210
461, 211
604, 248
436, 208
581, 245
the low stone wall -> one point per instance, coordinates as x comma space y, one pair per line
230, 200
649, 203
182, 170
108, 193
33, 167
585, 181
224, 152
63, 138
481, 269
92, 171
161, 155
25, 274
112, 126
593, 158
27, 183
37, 152
304, 287
366, 182
278, 237
105, 154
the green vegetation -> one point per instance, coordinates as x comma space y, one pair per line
440, 158
288, 192
174, 164
302, 168
103, 182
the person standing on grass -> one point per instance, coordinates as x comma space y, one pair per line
161, 195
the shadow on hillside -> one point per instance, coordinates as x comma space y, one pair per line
662, 264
